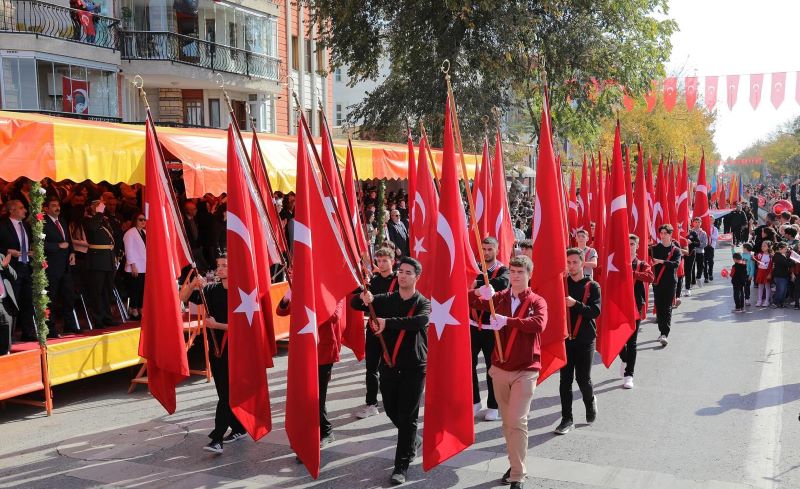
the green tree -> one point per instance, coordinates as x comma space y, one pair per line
501, 52
780, 151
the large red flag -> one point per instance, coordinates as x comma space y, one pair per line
601, 211
572, 216
584, 201
161, 342
651, 191
651, 97
672, 199
423, 225
619, 308
481, 195
641, 217
549, 253
412, 178
499, 215
593, 202
302, 383
277, 242
660, 210
628, 187
778, 89
354, 335
683, 198
449, 424
701, 197
248, 337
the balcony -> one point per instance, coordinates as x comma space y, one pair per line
168, 46
47, 20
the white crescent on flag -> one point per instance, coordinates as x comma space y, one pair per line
701, 188
302, 234
537, 217
479, 206
419, 203
618, 203
684, 196
237, 226
446, 232
635, 212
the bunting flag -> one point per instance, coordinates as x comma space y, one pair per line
499, 214
161, 341
670, 93
778, 89
354, 334
756, 82
733, 89
547, 279
701, 197
691, 92
423, 225
302, 382
481, 196
248, 337
412, 178
651, 96
641, 214
584, 201
711, 92
572, 216
618, 303
449, 424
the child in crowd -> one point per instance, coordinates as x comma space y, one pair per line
781, 273
747, 256
764, 274
739, 281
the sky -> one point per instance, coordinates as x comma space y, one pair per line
722, 37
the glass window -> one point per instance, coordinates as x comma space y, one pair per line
295, 53
308, 55
339, 118
47, 86
193, 112
272, 36
102, 92
213, 112
338, 74
320, 61
232, 41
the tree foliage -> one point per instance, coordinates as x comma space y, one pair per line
780, 150
501, 54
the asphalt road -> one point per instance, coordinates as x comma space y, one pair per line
717, 408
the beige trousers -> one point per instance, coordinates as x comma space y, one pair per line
514, 393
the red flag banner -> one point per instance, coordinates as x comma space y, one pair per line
481, 195
572, 215
628, 186
641, 211
701, 197
627, 101
660, 211
670, 93
683, 198
650, 97
423, 225
691, 92
498, 213
756, 82
354, 335
449, 424
711, 92
651, 193
732, 82
412, 178
583, 200
75, 97
778, 89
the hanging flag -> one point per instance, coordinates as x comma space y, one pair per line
499, 215
572, 216
583, 201
672, 199
683, 198
277, 242
650, 97
334, 195
618, 304
691, 92
549, 259
423, 225
481, 195
593, 193
711, 92
564, 198
778, 89
628, 187
701, 197
756, 82
449, 424
627, 100
161, 342
248, 339
670, 93
302, 378
75, 97
733, 89
412, 177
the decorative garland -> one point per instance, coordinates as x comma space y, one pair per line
41, 300
380, 208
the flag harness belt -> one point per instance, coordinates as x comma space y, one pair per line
574, 330
399, 341
663, 267
476, 316
521, 310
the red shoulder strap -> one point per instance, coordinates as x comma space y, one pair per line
577, 327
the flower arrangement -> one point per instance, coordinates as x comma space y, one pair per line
41, 300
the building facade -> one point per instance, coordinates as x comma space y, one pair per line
79, 58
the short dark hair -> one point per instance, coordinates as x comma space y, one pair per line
490, 241
576, 252
389, 244
526, 243
748, 246
786, 215
779, 245
386, 252
666, 227
522, 261
633, 237
791, 231
737, 256
407, 260
52, 198
582, 231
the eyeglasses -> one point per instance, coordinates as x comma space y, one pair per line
141, 219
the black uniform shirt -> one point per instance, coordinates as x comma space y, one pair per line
217, 298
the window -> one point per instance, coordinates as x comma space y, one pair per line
232, 35
339, 115
338, 74
295, 53
320, 61
213, 112
308, 55
193, 112
19, 84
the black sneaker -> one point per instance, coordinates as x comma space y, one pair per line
327, 440
506, 479
398, 476
565, 427
591, 411
233, 437
214, 447
517, 485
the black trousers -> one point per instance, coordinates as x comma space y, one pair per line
61, 288
700, 265
223, 417
709, 265
628, 352
372, 358
135, 290
580, 357
100, 285
23, 291
737, 235
688, 268
325, 427
663, 294
5, 330
738, 296
749, 285
482, 341
401, 390
678, 287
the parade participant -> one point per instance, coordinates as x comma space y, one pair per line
764, 274
402, 318
737, 221
642, 275
526, 247
708, 273
100, 265
521, 316
481, 337
683, 245
738, 281
665, 258
329, 346
215, 297
583, 302
589, 253
384, 281
700, 250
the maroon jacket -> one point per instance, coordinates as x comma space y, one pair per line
330, 333
525, 353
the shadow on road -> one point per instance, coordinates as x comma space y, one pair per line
770, 397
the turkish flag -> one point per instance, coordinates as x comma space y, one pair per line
627, 101
75, 96
498, 213
302, 382
412, 178
670, 93
711, 92
584, 208
354, 335
593, 203
161, 341
672, 199
600, 211
650, 97
423, 226
481, 196
550, 262
334, 194
701, 197
756, 82
619, 307
572, 215
683, 197
651, 193
449, 424
733, 89
628, 187
778, 89
660, 211
248, 337
691, 91
277, 242
641, 218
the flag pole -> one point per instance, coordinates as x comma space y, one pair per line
360, 197
431, 160
457, 130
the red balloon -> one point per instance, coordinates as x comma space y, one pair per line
782, 205
724, 273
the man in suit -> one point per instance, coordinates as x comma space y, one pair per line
60, 256
398, 233
195, 233
100, 265
8, 303
15, 240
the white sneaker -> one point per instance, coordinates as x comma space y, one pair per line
476, 408
758, 304
366, 411
688, 293
628, 383
491, 415
663, 340
622, 367
746, 303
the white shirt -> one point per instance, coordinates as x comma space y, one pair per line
712, 241
135, 253
515, 303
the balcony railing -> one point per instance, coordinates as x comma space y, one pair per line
168, 46
47, 20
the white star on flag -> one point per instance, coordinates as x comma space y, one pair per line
610, 266
418, 248
249, 305
311, 326
440, 315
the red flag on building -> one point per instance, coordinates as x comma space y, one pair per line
449, 424
481, 196
75, 98
549, 258
302, 382
354, 335
627, 101
756, 82
701, 197
423, 226
778, 89
670, 93
412, 178
161, 342
619, 308
711, 92
499, 215
248, 337
584, 200
641, 218
628, 186
691, 92
683, 198
733, 89
572, 216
